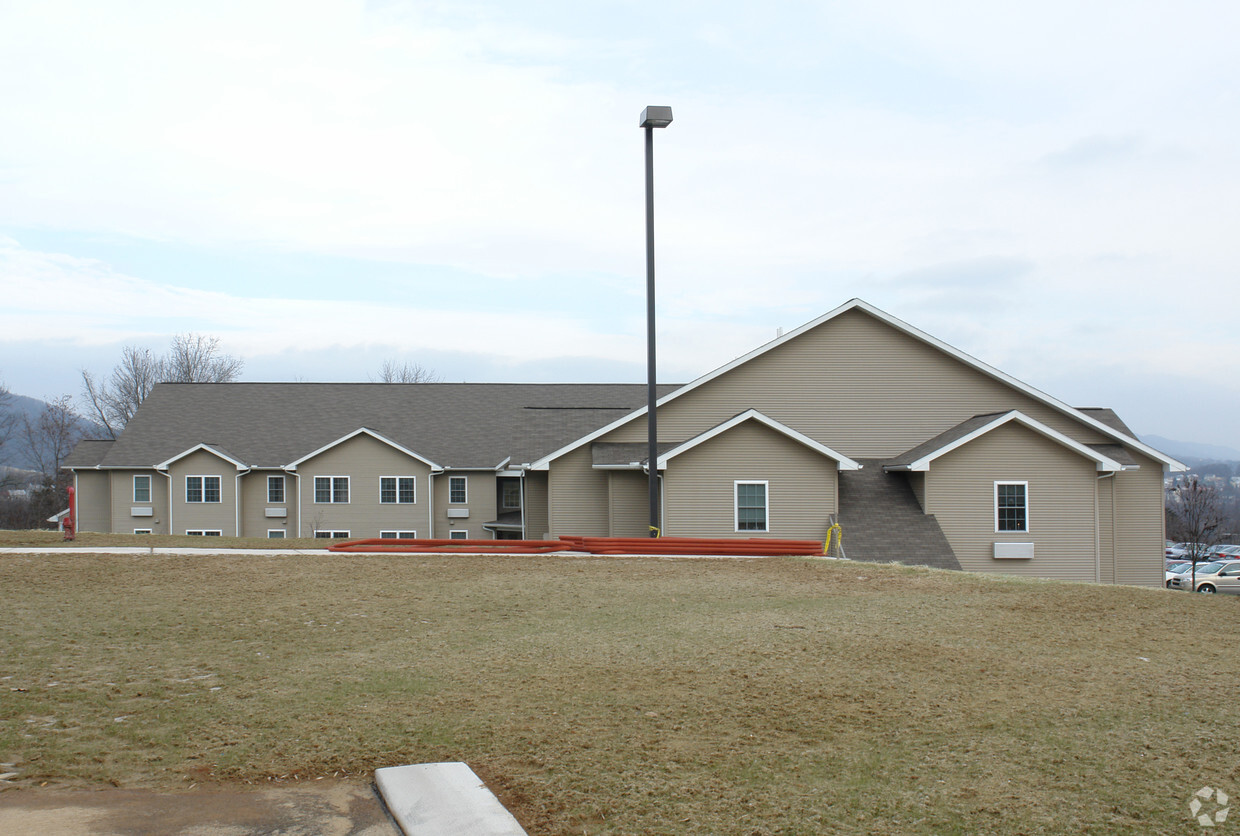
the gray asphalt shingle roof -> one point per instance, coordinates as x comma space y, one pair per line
452, 424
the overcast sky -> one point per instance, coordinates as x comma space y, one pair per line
1052, 187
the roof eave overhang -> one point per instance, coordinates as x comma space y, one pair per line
1101, 462
240, 465
842, 461
292, 466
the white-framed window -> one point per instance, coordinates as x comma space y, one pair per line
458, 534
458, 490
275, 534
510, 495
331, 489
751, 509
142, 531
397, 490
203, 532
398, 535
141, 490
1011, 507
275, 490
325, 534
202, 489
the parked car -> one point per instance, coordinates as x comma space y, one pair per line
1225, 553
1176, 568
1216, 577
1184, 551
1182, 579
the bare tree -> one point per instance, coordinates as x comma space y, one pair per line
114, 401
196, 358
193, 358
7, 420
1198, 513
406, 372
8, 426
50, 438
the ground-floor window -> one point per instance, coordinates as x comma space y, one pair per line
751, 506
324, 534
1011, 506
141, 531
275, 534
203, 532
398, 535
457, 534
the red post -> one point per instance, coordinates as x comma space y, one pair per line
70, 523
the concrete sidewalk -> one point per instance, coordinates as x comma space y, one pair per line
320, 808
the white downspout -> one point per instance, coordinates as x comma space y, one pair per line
237, 502
168, 473
297, 479
430, 504
1098, 530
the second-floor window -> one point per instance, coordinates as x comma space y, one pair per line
397, 490
142, 489
275, 489
202, 489
458, 490
331, 489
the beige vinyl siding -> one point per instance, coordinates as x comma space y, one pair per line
628, 503
481, 504
93, 496
1139, 525
196, 516
960, 491
254, 504
364, 460
121, 490
1106, 529
536, 513
700, 486
856, 385
577, 495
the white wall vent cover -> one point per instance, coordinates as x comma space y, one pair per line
277, 512
458, 513
140, 511
1013, 551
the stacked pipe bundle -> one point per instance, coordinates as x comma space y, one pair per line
728, 547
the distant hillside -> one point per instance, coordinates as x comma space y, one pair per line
1198, 452
20, 406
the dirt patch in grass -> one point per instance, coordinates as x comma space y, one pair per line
602, 695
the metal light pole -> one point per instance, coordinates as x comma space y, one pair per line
654, 116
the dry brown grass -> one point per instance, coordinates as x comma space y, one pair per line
602, 695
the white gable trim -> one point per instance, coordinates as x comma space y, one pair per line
1101, 462
376, 436
1168, 463
208, 448
843, 461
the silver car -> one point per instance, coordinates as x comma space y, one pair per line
1216, 577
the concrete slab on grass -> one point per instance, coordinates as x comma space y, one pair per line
443, 799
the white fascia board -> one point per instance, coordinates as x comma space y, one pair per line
900, 325
843, 461
208, 448
376, 436
1101, 462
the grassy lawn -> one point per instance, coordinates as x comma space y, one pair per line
603, 695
